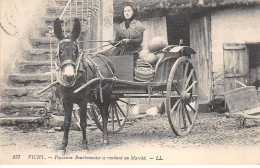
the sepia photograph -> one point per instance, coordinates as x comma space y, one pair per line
129, 82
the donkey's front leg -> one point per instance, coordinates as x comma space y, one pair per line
68, 106
83, 122
105, 114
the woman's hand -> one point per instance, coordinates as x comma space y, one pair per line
111, 42
125, 41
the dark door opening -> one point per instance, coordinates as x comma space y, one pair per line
254, 63
178, 28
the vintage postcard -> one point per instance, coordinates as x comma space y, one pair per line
129, 82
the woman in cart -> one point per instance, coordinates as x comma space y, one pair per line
129, 34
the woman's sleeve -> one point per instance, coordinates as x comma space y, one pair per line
137, 41
117, 39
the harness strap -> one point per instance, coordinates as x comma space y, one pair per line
68, 62
106, 64
92, 65
97, 72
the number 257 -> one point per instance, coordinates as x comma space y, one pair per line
16, 156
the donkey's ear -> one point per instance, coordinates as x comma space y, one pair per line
76, 30
58, 30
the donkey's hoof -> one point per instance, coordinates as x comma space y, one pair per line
62, 151
85, 146
105, 142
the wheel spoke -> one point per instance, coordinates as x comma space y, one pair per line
112, 116
180, 75
191, 86
121, 111
99, 117
109, 109
175, 105
117, 117
185, 75
179, 116
122, 101
189, 77
175, 94
191, 108
96, 111
183, 118
187, 113
89, 117
176, 88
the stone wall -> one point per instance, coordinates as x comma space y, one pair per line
236, 25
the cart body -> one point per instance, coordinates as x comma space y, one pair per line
174, 79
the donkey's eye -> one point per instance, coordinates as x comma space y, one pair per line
75, 52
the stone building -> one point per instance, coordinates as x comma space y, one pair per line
224, 33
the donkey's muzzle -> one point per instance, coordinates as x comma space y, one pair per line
68, 73
69, 79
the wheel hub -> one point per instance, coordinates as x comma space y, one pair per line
186, 96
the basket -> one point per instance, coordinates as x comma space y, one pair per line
144, 71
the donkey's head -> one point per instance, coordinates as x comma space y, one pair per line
68, 52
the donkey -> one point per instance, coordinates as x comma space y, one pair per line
74, 71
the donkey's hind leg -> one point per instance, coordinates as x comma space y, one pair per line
68, 106
105, 114
83, 122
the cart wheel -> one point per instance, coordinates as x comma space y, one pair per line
182, 96
117, 116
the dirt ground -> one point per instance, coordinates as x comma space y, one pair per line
215, 139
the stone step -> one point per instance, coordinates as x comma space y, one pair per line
44, 42
36, 66
38, 54
57, 10
36, 80
44, 31
19, 109
64, 2
24, 94
24, 122
50, 20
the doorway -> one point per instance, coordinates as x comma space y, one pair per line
254, 63
178, 28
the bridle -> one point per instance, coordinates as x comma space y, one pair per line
59, 65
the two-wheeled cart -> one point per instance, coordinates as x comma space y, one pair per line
173, 79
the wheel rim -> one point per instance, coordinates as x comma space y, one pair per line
182, 97
117, 117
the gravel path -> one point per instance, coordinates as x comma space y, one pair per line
215, 139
